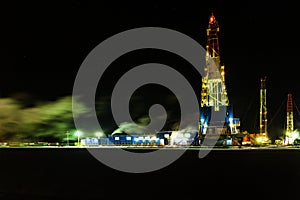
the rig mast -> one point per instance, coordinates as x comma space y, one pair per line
213, 82
263, 108
213, 94
290, 132
289, 116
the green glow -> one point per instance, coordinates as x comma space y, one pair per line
78, 133
260, 140
99, 134
41, 121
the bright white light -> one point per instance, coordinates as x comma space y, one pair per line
187, 135
78, 133
83, 141
202, 120
141, 138
128, 138
291, 136
99, 134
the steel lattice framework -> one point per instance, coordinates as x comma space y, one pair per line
213, 82
263, 108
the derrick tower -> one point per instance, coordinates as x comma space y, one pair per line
289, 115
290, 133
263, 108
213, 93
213, 82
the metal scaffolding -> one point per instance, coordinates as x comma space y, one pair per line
263, 108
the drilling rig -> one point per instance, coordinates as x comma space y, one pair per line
214, 97
290, 133
262, 137
263, 108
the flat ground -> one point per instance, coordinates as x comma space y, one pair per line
68, 173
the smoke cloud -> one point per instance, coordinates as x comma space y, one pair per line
42, 120
133, 128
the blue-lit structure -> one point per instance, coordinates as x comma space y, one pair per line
225, 128
162, 138
229, 124
134, 140
209, 126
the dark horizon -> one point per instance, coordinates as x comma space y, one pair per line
45, 43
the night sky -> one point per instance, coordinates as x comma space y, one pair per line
43, 44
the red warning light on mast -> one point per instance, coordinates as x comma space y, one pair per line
212, 19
